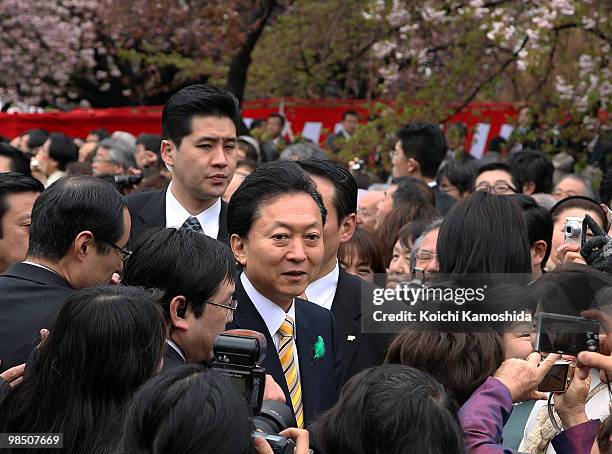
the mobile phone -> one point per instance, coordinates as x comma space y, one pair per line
557, 378
573, 230
565, 334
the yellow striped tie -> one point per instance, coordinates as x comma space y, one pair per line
287, 359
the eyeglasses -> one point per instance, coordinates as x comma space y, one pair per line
124, 253
231, 307
392, 154
425, 256
497, 188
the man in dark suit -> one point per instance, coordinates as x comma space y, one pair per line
200, 147
419, 151
272, 147
275, 222
333, 288
350, 121
80, 227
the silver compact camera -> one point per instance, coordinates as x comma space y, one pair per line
573, 230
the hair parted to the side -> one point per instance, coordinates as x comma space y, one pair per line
180, 262
425, 143
391, 409
265, 185
71, 205
104, 344
196, 101
187, 409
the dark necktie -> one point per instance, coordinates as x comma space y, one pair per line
192, 224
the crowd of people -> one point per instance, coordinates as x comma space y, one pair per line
124, 259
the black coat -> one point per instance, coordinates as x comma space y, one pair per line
148, 210
319, 377
359, 350
30, 299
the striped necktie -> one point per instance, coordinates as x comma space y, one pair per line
287, 358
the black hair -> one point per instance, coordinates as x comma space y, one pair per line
15, 183
411, 190
484, 233
582, 202
71, 205
459, 173
104, 344
532, 166
180, 262
569, 289
605, 190
499, 166
391, 409
539, 223
424, 142
19, 162
36, 138
345, 187
62, 149
102, 134
196, 101
279, 116
265, 185
151, 142
187, 409
497, 144
346, 113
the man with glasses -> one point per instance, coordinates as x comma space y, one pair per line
79, 230
425, 257
496, 178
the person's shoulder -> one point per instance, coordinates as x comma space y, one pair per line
139, 199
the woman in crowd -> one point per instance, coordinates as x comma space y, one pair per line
576, 206
193, 409
391, 409
400, 266
104, 344
362, 256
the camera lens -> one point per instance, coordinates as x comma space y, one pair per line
591, 345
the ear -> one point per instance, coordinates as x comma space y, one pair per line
83, 245
347, 228
529, 187
538, 251
413, 165
168, 152
239, 246
179, 323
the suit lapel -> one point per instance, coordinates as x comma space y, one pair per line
247, 317
153, 214
223, 235
309, 376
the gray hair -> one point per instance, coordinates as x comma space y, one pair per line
582, 179
436, 224
120, 152
125, 136
303, 150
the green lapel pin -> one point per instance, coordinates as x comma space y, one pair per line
319, 348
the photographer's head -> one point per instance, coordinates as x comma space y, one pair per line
484, 233
80, 228
391, 409
196, 274
576, 206
187, 409
199, 143
275, 220
339, 192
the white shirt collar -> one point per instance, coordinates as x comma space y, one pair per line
323, 290
43, 267
432, 184
172, 344
176, 215
272, 314
54, 177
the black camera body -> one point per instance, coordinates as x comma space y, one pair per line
566, 334
238, 354
122, 181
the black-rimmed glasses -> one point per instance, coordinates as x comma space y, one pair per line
125, 254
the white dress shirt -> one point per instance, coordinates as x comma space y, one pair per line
176, 215
323, 290
272, 315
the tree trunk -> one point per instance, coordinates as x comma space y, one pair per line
239, 66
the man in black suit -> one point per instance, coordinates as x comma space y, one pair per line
80, 227
200, 147
419, 151
275, 221
350, 121
333, 288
